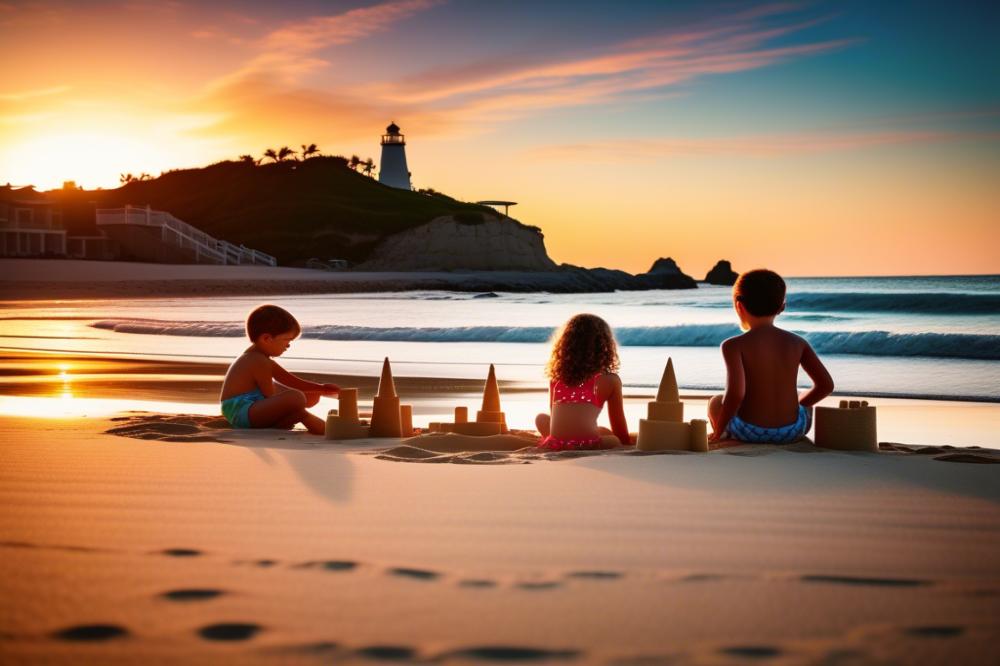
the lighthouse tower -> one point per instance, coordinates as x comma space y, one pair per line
394, 172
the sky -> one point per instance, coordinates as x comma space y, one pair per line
813, 138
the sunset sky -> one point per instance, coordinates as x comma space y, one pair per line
815, 138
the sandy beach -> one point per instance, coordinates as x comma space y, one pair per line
140, 536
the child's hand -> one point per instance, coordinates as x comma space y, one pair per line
714, 436
329, 389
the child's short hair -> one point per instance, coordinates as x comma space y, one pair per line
271, 319
583, 347
762, 292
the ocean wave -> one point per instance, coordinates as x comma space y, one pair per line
938, 303
868, 343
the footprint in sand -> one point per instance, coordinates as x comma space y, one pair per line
752, 651
875, 582
329, 565
935, 632
91, 632
193, 594
229, 631
387, 652
179, 552
538, 585
477, 583
595, 575
418, 574
509, 653
702, 578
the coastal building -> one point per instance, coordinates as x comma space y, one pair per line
30, 226
393, 171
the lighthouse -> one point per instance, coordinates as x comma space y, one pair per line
394, 172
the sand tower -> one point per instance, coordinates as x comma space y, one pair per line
394, 171
385, 406
664, 429
490, 420
849, 427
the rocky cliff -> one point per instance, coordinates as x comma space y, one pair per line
444, 243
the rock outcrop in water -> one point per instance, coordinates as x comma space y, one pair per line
722, 274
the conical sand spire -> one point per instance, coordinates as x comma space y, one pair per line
386, 386
491, 392
668, 385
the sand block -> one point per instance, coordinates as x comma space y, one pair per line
338, 427
461, 415
663, 436
699, 435
406, 420
434, 426
475, 428
665, 411
347, 399
846, 428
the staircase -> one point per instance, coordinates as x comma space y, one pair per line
156, 236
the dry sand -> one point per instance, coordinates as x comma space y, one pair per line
281, 547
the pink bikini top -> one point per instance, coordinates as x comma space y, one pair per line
582, 394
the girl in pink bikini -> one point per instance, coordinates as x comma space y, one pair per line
582, 379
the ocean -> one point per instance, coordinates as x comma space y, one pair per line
907, 337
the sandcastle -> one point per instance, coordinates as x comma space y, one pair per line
389, 418
849, 427
664, 428
490, 420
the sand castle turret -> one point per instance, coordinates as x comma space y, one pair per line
490, 420
664, 428
385, 406
849, 427
343, 422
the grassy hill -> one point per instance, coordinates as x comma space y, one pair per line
294, 210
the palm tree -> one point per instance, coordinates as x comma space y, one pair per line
308, 151
355, 162
126, 178
284, 152
369, 166
248, 159
270, 152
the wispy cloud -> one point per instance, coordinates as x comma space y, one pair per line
767, 145
22, 95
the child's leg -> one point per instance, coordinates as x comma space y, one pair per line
714, 409
284, 410
543, 423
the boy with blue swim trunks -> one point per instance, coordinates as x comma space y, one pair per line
761, 402
259, 393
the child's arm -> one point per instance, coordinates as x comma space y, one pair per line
735, 388
291, 381
822, 381
616, 411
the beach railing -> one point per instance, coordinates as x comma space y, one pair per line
178, 233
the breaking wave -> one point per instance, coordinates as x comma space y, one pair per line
868, 343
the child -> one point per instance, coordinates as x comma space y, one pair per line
581, 372
251, 398
761, 402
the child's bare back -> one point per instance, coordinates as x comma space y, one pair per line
770, 358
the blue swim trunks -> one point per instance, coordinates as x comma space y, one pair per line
237, 408
751, 434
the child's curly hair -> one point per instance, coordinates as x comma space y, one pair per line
583, 347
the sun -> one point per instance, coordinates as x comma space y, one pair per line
92, 159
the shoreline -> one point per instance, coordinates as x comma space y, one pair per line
47, 279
